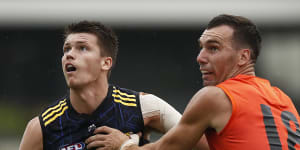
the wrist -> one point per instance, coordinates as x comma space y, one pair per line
134, 140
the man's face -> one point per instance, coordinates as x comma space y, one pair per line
217, 58
82, 59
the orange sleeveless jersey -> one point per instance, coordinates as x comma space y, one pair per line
263, 117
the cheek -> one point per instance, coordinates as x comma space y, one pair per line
225, 65
93, 65
222, 66
63, 62
219, 65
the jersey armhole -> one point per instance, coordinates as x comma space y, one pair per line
140, 109
234, 107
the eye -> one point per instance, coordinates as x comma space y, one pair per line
82, 48
66, 49
213, 48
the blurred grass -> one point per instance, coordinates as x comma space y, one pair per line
15, 116
12, 119
9, 143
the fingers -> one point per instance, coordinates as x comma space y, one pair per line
103, 130
96, 137
107, 138
102, 139
96, 144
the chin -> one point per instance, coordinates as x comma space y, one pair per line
209, 83
73, 84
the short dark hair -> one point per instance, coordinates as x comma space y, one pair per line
245, 32
107, 39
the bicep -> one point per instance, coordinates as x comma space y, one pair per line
182, 136
189, 130
32, 138
199, 115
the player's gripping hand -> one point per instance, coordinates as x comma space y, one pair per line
106, 138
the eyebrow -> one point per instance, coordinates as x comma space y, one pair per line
77, 42
210, 41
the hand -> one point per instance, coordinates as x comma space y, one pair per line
106, 138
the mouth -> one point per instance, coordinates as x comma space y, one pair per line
70, 68
204, 72
206, 75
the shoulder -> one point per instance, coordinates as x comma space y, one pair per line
54, 111
210, 104
32, 138
210, 95
56, 104
123, 91
34, 124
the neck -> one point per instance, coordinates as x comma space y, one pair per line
247, 69
86, 99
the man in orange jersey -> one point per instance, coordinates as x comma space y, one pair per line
235, 110
89, 52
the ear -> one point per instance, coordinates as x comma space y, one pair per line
244, 56
106, 63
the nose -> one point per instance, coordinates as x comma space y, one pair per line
202, 58
70, 54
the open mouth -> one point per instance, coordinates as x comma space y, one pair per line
205, 72
70, 68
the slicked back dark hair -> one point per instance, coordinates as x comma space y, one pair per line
245, 32
107, 39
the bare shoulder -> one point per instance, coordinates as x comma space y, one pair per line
209, 95
212, 96
32, 137
211, 104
